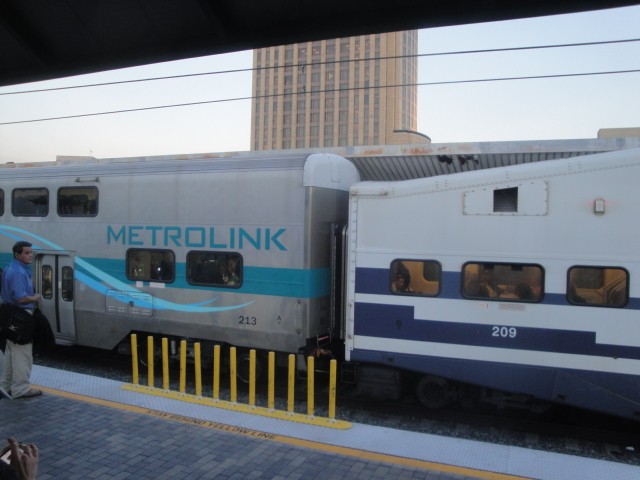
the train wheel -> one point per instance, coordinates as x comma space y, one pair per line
143, 352
243, 367
433, 392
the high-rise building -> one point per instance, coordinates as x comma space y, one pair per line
340, 92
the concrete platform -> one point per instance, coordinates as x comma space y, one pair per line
88, 427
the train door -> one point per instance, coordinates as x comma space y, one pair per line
54, 275
337, 279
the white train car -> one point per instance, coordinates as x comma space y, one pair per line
523, 279
231, 250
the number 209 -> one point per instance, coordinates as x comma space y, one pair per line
504, 332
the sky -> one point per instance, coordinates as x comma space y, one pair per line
533, 109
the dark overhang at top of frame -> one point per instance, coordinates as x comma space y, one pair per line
41, 40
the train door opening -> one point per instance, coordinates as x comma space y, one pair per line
54, 274
337, 279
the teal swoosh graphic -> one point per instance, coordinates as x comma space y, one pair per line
107, 282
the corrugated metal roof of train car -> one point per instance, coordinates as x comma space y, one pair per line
404, 162
390, 168
395, 162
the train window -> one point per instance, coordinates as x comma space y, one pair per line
1, 202
151, 265
511, 282
30, 202
67, 284
215, 269
47, 282
415, 277
505, 200
78, 201
598, 286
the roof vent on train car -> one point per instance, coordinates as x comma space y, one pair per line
527, 198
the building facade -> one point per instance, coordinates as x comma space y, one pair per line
333, 93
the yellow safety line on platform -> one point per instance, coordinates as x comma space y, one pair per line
347, 451
238, 407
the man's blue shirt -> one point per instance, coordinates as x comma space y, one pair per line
17, 284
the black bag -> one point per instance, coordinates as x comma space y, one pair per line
17, 324
3, 316
43, 338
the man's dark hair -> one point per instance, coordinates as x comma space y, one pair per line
18, 246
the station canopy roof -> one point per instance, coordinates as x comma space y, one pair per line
41, 40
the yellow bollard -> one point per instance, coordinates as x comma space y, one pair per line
165, 364
272, 381
216, 372
252, 378
233, 380
150, 367
291, 384
232, 404
333, 368
183, 366
134, 358
198, 369
310, 386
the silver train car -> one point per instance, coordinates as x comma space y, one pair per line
232, 250
517, 284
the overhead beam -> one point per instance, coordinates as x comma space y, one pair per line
57, 38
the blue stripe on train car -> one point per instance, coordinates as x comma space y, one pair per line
377, 281
398, 322
281, 282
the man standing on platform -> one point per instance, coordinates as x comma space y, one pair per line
17, 290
